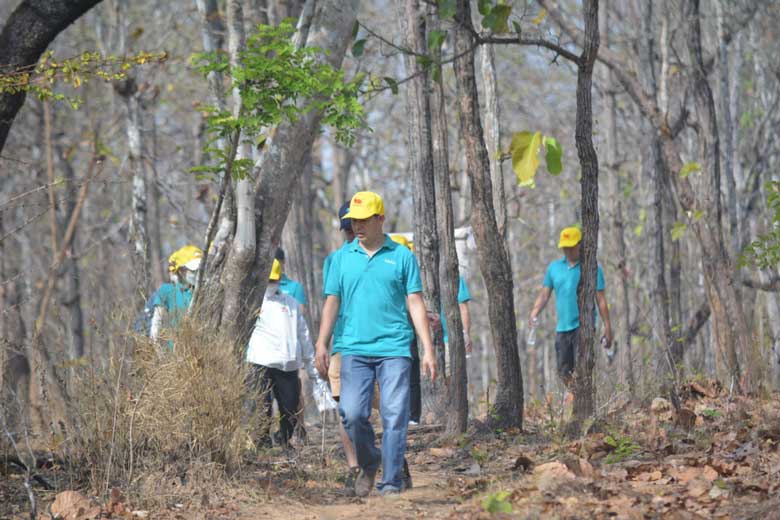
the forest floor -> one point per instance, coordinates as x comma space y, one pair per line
635, 463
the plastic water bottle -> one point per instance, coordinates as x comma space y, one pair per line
532, 333
610, 350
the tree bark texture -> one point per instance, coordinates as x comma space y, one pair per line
586, 292
493, 133
493, 256
32, 26
618, 227
412, 16
449, 272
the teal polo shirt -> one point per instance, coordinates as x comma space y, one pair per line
174, 298
293, 288
373, 298
564, 279
463, 296
339, 326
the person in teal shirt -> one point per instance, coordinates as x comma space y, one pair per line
464, 297
172, 300
377, 282
288, 285
563, 278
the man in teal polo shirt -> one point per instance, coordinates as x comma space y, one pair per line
375, 282
563, 277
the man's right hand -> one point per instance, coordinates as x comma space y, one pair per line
322, 360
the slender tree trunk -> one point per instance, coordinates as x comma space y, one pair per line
493, 133
449, 272
493, 256
426, 239
586, 292
71, 295
618, 227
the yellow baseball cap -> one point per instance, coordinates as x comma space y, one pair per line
365, 204
400, 239
188, 256
570, 237
276, 271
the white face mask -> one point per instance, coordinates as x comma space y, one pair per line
190, 277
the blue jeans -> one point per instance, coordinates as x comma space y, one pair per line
357, 390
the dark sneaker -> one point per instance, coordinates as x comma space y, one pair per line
364, 483
407, 476
351, 478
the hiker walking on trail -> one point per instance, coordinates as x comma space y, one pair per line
334, 369
376, 281
563, 277
170, 303
280, 345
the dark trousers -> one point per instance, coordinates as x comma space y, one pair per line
273, 383
415, 391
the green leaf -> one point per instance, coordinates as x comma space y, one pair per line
689, 168
424, 61
497, 503
525, 155
447, 9
484, 7
392, 83
539, 17
355, 29
518, 29
436, 39
678, 230
553, 155
698, 214
358, 47
501, 13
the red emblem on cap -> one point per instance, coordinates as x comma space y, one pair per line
357, 201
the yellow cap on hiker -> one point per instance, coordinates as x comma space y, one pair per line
276, 271
570, 237
365, 204
188, 256
400, 239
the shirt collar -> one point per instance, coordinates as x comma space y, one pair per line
388, 244
566, 263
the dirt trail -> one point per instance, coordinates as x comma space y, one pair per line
428, 498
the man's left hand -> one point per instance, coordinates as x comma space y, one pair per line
428, 365
434, 321
608, 335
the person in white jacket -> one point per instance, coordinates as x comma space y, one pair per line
280, 345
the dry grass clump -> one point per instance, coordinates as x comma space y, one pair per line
177, 407
191, 401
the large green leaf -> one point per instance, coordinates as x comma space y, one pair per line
525, 156
484, 7
435, 39
689, 168
554, 155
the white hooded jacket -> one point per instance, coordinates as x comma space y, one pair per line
281, 340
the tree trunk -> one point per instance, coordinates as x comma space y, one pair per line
493, 256
586, 292
29, 30
277, 171
493, 134
449, 272
71, 295
733, 335
426, 239
618, 227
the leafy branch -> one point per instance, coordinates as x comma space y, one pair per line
39, 79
